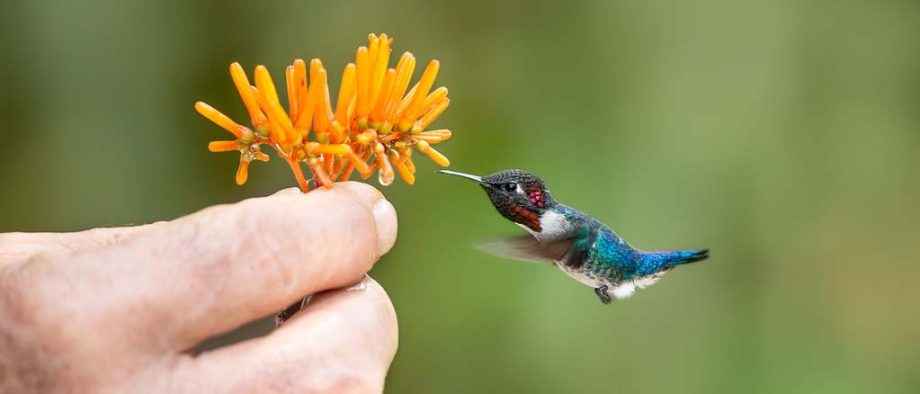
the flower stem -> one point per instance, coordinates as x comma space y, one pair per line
298, 173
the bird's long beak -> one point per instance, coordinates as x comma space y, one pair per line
474, 178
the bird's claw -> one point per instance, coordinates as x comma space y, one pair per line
289, 312
602, 294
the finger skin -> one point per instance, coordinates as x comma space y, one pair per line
16, 248
207, 273
344, 341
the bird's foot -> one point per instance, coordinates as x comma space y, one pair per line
602, 294
289, 312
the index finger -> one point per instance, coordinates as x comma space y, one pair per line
214, 270
19, 247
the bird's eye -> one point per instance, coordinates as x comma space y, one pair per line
510, 187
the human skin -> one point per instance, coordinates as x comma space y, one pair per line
118, 309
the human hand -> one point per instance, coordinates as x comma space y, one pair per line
117, 309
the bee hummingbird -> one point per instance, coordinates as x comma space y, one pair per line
581, 246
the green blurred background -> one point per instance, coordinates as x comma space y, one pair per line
783, 135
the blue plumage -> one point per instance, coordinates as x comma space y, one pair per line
609, 263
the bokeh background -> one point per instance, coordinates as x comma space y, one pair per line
784, 135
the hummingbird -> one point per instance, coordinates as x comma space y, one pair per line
581, 246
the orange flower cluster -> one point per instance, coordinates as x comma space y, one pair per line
376, 122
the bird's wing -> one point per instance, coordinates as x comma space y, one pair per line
527, 248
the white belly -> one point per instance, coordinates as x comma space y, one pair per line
583, 277
618, 290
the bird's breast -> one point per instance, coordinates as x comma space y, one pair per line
553, 225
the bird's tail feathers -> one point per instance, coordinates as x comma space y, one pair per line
688, 256
653, 262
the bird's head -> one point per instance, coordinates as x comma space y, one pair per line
516, 194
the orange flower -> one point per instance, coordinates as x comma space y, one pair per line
376, 122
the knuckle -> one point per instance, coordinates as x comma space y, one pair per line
257, 242
268, 249
102, 237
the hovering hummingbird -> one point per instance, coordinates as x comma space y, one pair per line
581, 246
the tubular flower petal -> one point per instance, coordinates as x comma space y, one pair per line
242, 172
246, 94
423, 86
223, 146
404, 171
219, 118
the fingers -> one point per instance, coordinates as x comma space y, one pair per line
19, 247
344, 341
212, 271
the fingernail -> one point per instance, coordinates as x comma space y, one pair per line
385, 217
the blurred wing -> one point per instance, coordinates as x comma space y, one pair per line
526, 248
